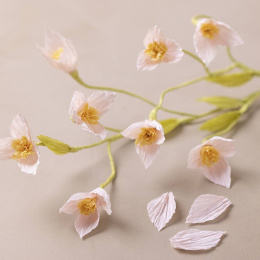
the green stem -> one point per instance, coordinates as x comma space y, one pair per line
200, 16
113, 169
112, 129
226, 70
239, 64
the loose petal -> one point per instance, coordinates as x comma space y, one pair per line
161, 210
207, 207
6, 150
225, 147
194, 239
103, 199
147, 153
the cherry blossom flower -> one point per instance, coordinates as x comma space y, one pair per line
148, 136
20, 146
211, 157
87, 112
60, 52
209, 34
161, 210
87, 206
158, 49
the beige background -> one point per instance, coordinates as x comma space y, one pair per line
108, 36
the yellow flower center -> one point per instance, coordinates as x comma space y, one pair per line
209, 155
156, 50
87, 206
209, 30
89, 114
56, 54
147, 136
22, 147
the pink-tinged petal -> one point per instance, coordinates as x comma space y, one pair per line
6, 150
147, 153
86, 223
30, 163
161, 210
103, 199
77, 101
207, 207
53, 40
133, 130
154, 35
144, 62
227, 36
95, 129
194, 239
225, 147
101, 101
19, 128
174, 52
219, 173
71, 205
194, 160
160, 132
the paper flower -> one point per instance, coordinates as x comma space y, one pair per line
194, 239
87, 206
158, 49
207, 207
209, 34
161, 210
20, 146
210, 156
60, 52
148, 136
87, 112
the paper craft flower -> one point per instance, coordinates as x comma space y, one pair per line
87, 112
194, 239
148, 136
60, 52
20, 146
211, 157
209, 34
158, 49
161, 210
87, 206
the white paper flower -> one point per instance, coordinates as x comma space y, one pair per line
148, 136
194, 239
209, 34
207, 207
20, 146
87, 206
87, 112
161, 210
59, 51
158, 49
211, 157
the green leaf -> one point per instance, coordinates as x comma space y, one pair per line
54, 145
231, 80
169, 124
221, 122
223, 102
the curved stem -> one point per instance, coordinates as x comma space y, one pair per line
200, 16
113, 169
239, 64
112, 129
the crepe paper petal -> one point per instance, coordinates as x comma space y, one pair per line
147, 153
207, 207
194, 239
161, 210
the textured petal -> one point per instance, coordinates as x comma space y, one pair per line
103, 199
174, 52
207, 207
133, 130
85, 224
161, 210
95, 129
219, 173
144, 62
19, 127
147, 153
6, 150
225, 147
77, 101
194, 160
154, 35
194, 239
101, 101
227, 36
160, 132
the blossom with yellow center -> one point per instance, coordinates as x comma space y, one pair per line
56, 54
148, 136
211, 157
209, 30
23, 148
87, 112
87, 206
156, 51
